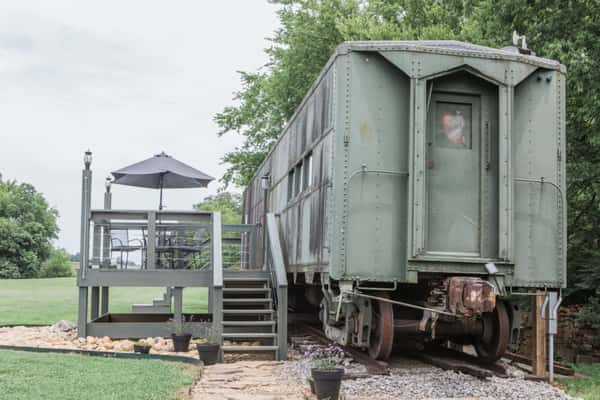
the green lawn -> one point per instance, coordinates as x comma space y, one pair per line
64, 376
45, 301
587, 388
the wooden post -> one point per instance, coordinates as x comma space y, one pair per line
104, 302
95, 302
82, 312
538, 336
178, 303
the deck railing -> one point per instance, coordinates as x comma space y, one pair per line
147, 240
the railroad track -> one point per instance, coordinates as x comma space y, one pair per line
453, 360
306, 334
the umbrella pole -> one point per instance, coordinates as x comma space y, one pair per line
160, 204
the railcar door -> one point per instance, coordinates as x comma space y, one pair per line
461, 180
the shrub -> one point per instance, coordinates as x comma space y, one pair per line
57, 266
9, 270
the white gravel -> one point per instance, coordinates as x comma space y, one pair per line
410, 379
438, 384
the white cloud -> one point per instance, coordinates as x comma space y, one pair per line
125, 79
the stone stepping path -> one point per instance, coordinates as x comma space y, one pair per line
247, 380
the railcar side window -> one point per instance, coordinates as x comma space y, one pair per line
298, 179
290, 185
307, 173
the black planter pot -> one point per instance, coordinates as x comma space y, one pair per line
181, 343
142, 349
327, 382
208, 353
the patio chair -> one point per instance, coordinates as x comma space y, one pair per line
179, 245
120, 242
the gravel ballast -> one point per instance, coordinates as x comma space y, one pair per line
412, 379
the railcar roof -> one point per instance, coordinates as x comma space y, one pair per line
451, 47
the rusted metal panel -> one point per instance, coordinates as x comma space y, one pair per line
470, 296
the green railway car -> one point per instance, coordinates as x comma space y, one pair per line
417, 185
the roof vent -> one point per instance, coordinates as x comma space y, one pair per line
515, 48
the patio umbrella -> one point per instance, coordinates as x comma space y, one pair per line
161, 172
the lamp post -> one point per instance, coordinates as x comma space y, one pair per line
87, 159
107, 193
86, 196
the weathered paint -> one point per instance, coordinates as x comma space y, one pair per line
366, 122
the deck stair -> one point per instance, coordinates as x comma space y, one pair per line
249, 314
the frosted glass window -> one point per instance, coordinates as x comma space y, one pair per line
453, 125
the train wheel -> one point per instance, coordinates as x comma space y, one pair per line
382, 331
496, 331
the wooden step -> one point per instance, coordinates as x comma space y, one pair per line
246, 290
235, 279
244, 335
248, 323
247, 300
245, 349
249, 312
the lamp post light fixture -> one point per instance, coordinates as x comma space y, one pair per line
87, 159
265, 182
108, 184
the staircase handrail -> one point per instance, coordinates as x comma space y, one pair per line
275, 250
275, 265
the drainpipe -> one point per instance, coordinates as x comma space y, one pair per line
552, 302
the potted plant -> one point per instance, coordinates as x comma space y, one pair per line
181, 336
209, 347
327, 377
142, 347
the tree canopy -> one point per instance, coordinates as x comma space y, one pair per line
27, 227
229, 204
566, 30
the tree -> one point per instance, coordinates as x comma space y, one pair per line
229, 204
58, 265
310, 31
558, 29
27, 227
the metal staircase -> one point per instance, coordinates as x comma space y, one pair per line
249, 322
250, 306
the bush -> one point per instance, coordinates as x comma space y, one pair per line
57, 266
9, 270
27, 228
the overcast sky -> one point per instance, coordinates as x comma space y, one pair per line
126, 79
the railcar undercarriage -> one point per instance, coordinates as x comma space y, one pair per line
458, 309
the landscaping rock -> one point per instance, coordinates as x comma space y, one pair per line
63, 326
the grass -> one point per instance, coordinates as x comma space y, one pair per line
46, 301
69, 377
587, 388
